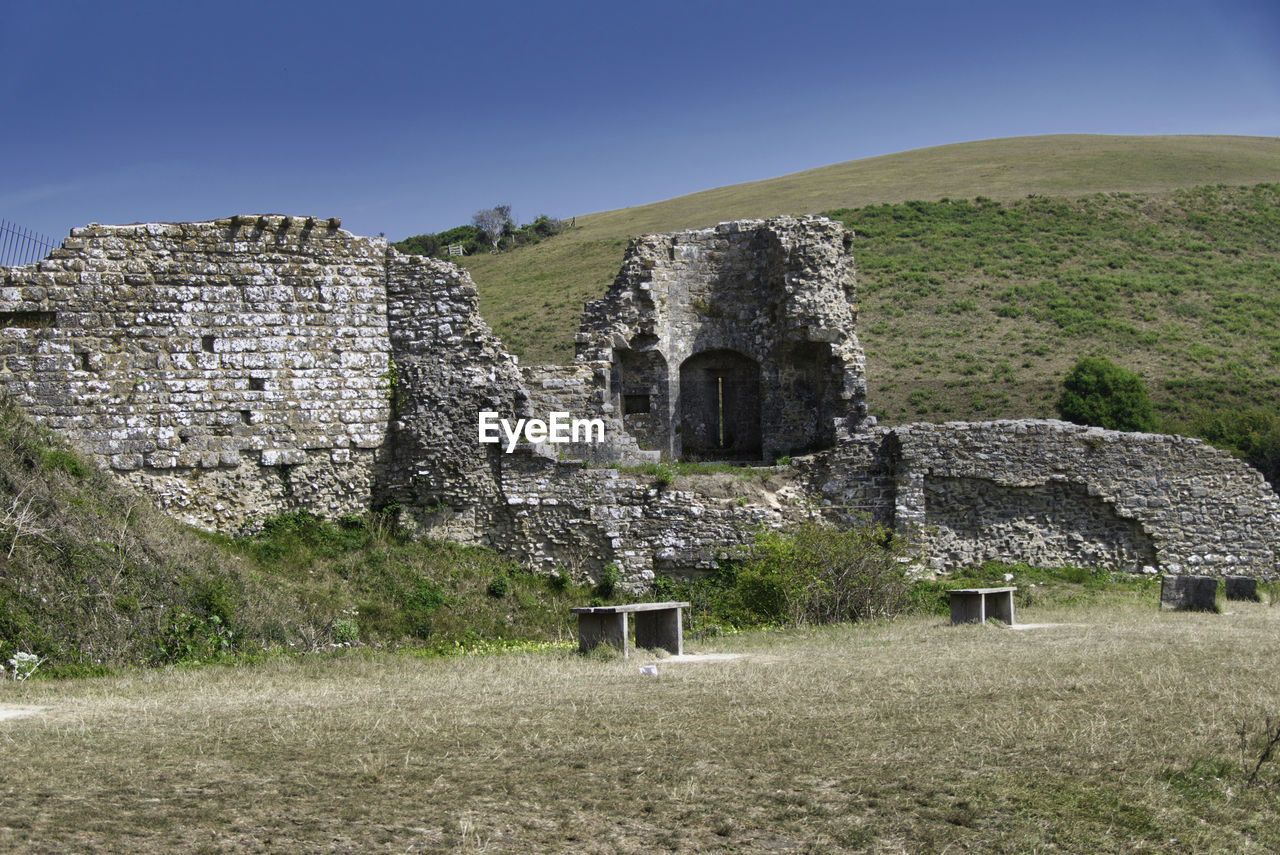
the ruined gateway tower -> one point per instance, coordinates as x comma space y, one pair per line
256, 365
735, 342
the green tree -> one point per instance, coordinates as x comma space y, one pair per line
1098, 392
1252, 433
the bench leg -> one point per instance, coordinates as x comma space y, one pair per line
660, 629
1000, 607
967, 608
594, 630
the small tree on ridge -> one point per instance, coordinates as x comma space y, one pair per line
493, 222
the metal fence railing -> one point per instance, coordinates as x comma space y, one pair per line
19, 245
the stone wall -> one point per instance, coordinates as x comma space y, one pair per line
857, 480
574, 519
448, 368
566, 388
232, 369
972, 520
580, 391
1049, 492
245, 367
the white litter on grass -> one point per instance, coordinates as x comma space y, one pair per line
649, 670
10, 711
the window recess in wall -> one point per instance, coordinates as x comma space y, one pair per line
635, 404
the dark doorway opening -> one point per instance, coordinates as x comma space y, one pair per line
720, 406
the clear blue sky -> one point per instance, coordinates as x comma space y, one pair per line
404, 118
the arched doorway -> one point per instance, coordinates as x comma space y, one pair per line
720, 406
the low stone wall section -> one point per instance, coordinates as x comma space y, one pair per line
580, 391
1054, 492
970, 521
573, 519
856, 481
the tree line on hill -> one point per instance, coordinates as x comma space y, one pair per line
490, 230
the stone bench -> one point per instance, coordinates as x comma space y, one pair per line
1189, 593
657, 625
1241, 588
975, 605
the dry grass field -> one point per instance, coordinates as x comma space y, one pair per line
1115, 730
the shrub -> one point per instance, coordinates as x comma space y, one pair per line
817, 574
663, 474
65, 461
344, 631
1098, 392
190, 638
609, 580
499, 586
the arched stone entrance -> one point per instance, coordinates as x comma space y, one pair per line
720, 406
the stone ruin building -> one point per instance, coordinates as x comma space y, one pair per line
245, 367
732, 344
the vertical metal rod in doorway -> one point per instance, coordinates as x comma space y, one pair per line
720, 408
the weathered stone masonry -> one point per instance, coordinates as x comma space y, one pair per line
731, 342
448, 368
230, 369
1049, 492
245, 367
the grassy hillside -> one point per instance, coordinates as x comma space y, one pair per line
92, 576
977, 309
533, 297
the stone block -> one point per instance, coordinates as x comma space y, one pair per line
282, 457
126, 462
1241, 588
1189, 593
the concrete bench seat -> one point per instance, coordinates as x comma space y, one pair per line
658, 625
975, 605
